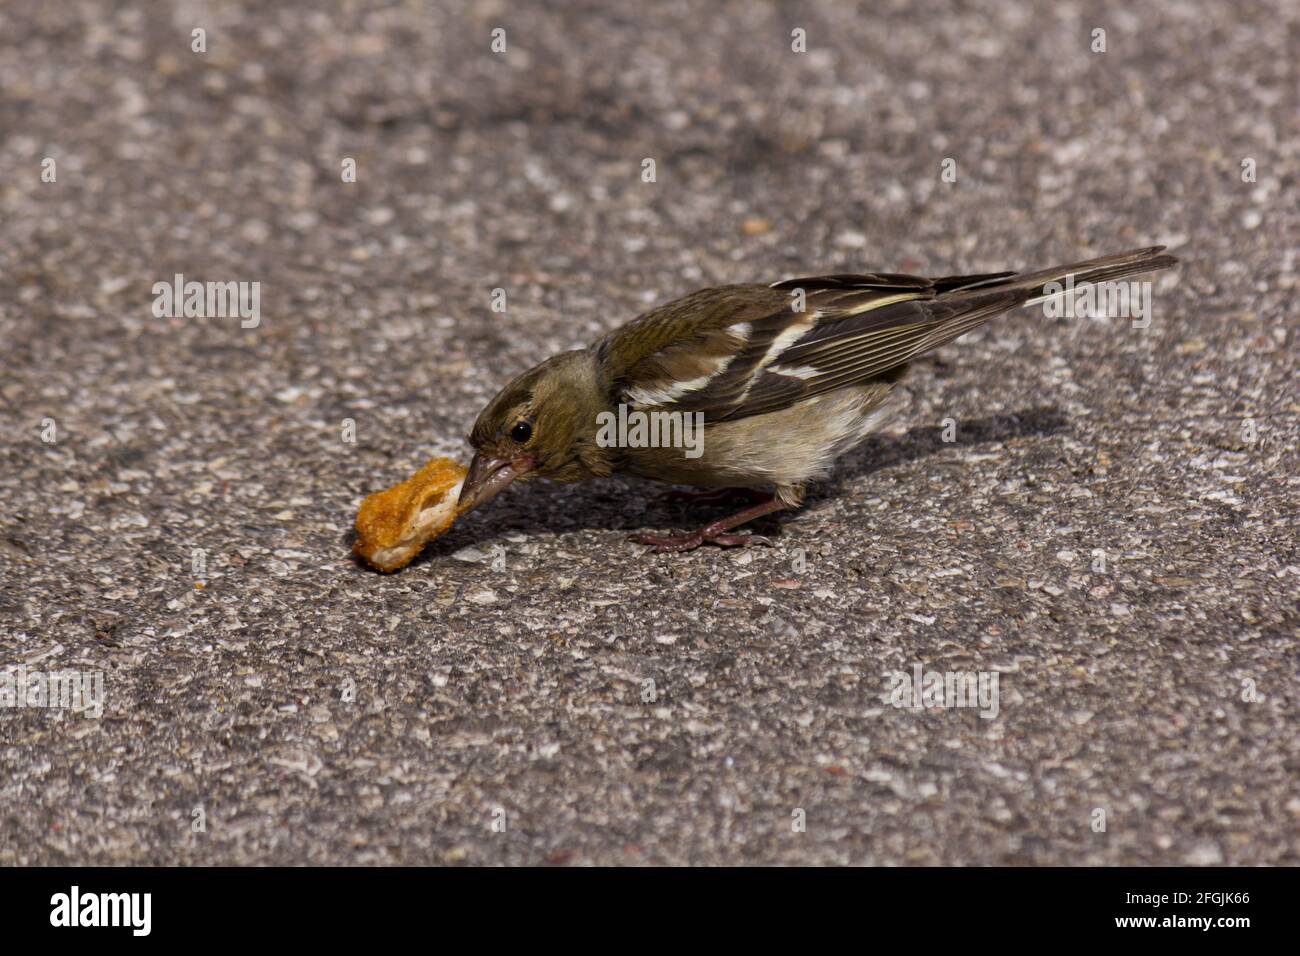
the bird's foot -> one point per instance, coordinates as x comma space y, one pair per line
677, 543
719, 532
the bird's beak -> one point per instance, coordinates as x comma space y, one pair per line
487, 476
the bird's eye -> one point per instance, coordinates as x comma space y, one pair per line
521, 433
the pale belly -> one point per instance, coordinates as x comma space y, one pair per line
784, 448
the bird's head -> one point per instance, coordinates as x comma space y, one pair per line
542, 423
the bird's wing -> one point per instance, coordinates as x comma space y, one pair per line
682, 346
844, 350
738, 351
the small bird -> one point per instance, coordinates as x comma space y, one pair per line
787, 377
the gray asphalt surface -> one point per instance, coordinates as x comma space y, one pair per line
1113, 531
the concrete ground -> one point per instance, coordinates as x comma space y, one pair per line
1112, 531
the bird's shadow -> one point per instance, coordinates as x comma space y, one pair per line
632, 504
886, 451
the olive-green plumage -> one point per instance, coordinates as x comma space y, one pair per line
785, 378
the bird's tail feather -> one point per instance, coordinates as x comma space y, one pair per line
967, 309
1111, 268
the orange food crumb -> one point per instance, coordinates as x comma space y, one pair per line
394, 525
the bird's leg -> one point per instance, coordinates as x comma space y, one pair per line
715, 533
712, 496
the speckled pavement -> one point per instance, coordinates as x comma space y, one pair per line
1110, 533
